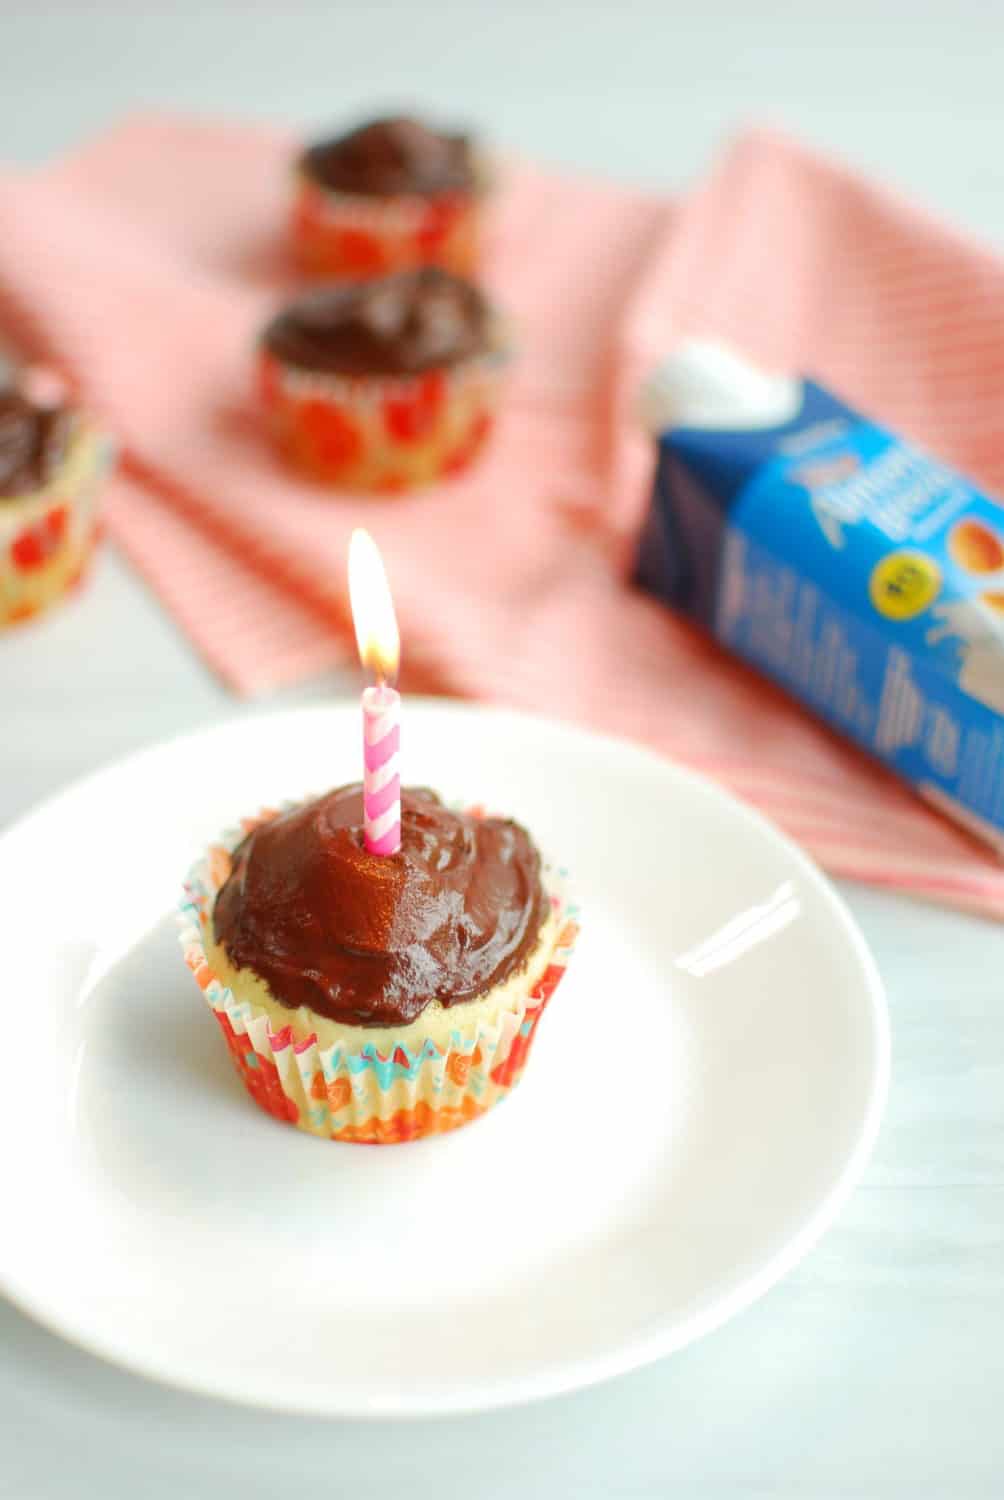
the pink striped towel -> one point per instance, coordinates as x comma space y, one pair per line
142, 266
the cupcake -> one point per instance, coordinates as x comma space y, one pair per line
382, 385
376, 998
51, 463
389, 195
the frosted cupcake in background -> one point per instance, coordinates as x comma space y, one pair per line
390, 195
52, 462
371, 998
383, 385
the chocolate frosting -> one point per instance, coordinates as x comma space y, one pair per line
391, 156
370, 939
33, 443
396, 325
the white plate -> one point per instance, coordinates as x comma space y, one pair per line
704, 1092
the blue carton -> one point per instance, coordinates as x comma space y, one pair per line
858, 572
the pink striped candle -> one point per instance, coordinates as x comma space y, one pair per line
379, 650
382, 769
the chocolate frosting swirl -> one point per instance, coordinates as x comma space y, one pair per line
396, 325
33, 443
371, 940
398, 155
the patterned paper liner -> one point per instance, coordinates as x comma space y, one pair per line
382, 433
353, 1092
47, 536
349, 235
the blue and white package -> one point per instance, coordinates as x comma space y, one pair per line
858, 572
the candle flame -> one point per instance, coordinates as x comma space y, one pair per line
372, 608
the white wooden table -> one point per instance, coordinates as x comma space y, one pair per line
877, 1369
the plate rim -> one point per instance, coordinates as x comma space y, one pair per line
551, 1379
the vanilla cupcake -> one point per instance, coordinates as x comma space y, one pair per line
383, 385
377, 998
388, 196
52, 461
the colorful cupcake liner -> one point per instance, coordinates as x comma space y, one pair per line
381, 433
355, 1093
351, 236
47, 537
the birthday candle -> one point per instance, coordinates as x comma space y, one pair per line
379, 651
382, 769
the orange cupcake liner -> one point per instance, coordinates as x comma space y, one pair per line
352, 1092
47, 537
385, 434
350, 236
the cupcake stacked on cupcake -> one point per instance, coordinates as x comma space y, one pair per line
388, 376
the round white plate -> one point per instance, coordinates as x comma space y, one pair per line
705, 1089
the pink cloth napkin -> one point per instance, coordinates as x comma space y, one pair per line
142, 267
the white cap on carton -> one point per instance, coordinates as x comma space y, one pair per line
708, 384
